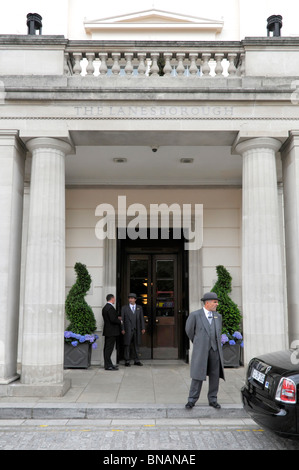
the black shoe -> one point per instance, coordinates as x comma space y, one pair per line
189, 405
138, 363
111, 368
127, 364
115, 367
215, 405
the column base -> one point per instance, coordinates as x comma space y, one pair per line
18, 389
9, 380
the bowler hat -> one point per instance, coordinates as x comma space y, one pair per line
132, 295
209, 296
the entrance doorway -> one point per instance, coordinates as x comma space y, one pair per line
156, 271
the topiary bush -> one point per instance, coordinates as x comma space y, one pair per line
78, 312
231, 316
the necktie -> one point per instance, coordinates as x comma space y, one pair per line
210, 317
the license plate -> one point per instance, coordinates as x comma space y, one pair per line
259, 376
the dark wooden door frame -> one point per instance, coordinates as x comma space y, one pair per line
158, 247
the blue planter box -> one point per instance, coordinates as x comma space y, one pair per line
231, 355
77, 357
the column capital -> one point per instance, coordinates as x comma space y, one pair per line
49, 142
256, 143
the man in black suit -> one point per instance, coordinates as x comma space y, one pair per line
133, 328
111, 331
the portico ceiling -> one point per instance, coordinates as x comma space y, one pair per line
127, 158
181, 158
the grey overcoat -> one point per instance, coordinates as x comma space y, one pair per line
198, 331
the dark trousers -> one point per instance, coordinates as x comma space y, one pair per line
213, 370
110, 341
134, 345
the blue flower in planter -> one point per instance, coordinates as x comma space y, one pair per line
235, 338
224, 338
237, 335
68, 335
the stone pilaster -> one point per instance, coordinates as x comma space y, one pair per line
290, 166
43, 344
109, 287
262, 271
12, 163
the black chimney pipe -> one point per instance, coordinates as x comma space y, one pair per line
274, 24
34, 23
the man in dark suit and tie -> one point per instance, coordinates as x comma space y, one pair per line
204, 327
133, 328
111, 330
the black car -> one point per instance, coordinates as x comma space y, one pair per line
270, 393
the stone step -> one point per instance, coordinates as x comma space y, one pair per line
112, 411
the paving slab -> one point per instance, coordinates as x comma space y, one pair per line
158, 390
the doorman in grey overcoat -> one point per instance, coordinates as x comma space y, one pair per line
207, 357
133, 328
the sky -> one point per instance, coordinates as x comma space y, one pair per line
13, 12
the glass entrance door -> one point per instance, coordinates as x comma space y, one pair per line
153, 277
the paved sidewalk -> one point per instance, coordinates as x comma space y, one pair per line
158, 390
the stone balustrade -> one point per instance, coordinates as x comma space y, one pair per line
165, 60
55, 55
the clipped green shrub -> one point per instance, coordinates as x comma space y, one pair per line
231, 316
78, 312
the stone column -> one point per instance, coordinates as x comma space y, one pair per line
12, 163
262, 271
290, 166
43, 343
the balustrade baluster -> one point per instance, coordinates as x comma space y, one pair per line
241, 68
115, 67
90, 67
66, 63
218, 68
103, 67
167, 69
141, 67
129, 66
193, 67
180, 70
231, 56
205, 65
77, 69
154, 70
